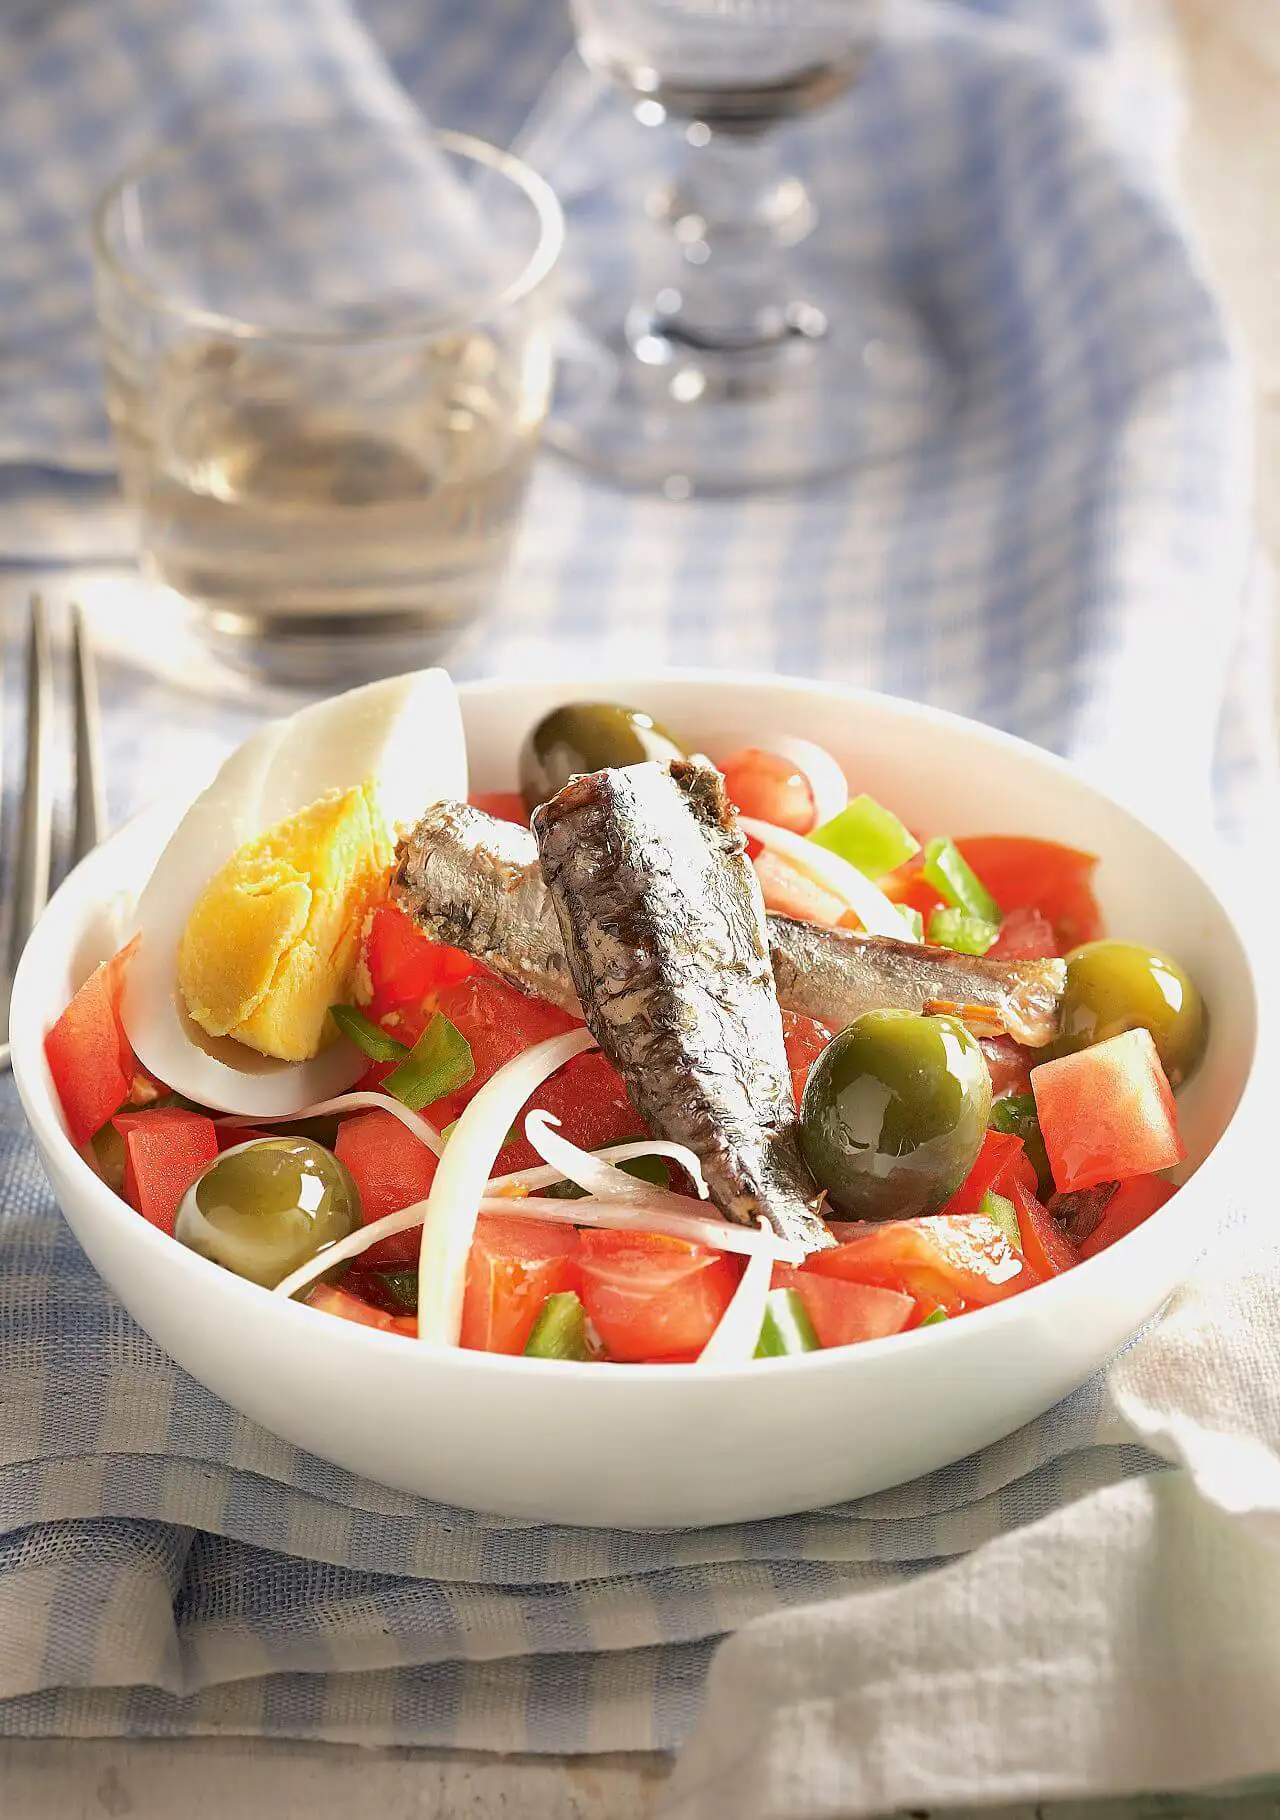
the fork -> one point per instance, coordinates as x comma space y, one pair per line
34, 856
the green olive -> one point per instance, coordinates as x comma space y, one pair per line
588, 736
268, 1206
894, 1114
1117, 986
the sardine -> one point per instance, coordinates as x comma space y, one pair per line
835, 975
474, 883
663, 926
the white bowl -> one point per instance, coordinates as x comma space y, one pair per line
659, 1445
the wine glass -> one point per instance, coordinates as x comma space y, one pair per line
722, 339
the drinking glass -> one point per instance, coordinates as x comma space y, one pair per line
328, 361
723, 338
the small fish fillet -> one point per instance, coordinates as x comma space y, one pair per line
663, 928
835, 975
474, 882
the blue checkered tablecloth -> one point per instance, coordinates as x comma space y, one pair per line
1067, 558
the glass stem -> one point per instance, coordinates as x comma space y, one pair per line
734, 216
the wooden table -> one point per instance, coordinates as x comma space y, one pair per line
1230, 51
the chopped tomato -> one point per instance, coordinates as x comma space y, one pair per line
588, 1097
1107, 1113
953, 1260
1023, 873
789, 892
404, 968
1044, 1245
805, 1039
89, 1056
653, 1297
505, 805
499, 1023
514, 1266
1025, 935
1132, 1203
164, 1151
231, 1135
392, 1169
845, 1313
1008, 1064
906, 885
770, 788
1001, 1160
331, 1300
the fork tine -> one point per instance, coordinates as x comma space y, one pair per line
4, 829
91, 813
35, 830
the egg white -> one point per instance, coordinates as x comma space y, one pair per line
405, 734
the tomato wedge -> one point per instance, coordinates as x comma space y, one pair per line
653, 1297
770, 788
331, 1300
1044, 1245
89, 1056
805, 1040
514, 1266
953, 1260
392, 1169
1107, 1113
165, 1150
404, 968
1023, 873
590, 1101
499, 1023
1132, 1203
908, 886
845, 1313
1001, 1160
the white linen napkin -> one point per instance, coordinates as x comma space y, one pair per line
1128, 1643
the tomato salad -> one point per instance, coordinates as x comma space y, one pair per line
489, 1180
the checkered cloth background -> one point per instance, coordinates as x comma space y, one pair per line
1066, 557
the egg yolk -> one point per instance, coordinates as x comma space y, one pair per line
274, 937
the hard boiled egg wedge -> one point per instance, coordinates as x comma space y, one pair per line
403, 740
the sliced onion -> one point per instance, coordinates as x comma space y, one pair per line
643, 1216
347, 1102
828, 782
877, 914
635, 1215
738, 1333
449, 1221
546, 1175
594, 1174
